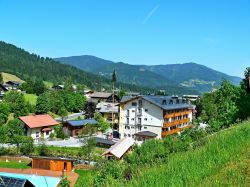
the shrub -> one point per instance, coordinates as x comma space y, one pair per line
27, 146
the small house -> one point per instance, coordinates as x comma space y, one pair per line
120, 148
74, 127
53, 164
106, 109
39, 126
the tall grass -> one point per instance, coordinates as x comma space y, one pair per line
202, 167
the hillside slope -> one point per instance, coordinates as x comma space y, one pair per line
187, 75
9, 77
223, 161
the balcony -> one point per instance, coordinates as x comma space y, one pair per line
166, 133
174, 131
177, 122
178, 114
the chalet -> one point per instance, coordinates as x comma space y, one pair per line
53, 164
106, 110
14, 85
120, 148
39, 126
74, 127
104, 97
144, 117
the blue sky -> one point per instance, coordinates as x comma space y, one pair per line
215, 33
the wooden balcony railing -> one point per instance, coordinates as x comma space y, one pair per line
177, 122
166, 133
177, 114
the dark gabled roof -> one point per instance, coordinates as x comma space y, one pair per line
14, 83
164, 102
82, 122
14, 182
146, 133
104, 141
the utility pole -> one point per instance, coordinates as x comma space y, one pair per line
113, 96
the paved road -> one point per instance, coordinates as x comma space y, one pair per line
69, 117
72, 142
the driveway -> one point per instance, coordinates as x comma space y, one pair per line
71, 142
69, 117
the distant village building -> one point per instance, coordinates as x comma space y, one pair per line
104, 97
13, 85
191, 97
39, 126
106, 109
144, 117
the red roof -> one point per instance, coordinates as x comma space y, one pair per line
35, 121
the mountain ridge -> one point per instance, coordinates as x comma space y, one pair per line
190, 75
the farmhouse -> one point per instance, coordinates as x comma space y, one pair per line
97, 97
39, 126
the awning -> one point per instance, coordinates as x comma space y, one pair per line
46, 129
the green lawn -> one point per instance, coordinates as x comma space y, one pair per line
13, 164
48, 84
85, 177
31, 98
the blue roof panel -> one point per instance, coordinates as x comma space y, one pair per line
78, 123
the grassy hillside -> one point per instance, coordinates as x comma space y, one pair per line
10, 77
31, 98
223, 161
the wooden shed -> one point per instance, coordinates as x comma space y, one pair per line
53, 164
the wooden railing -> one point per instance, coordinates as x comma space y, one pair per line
177, 122
177, 114
166, 133
163, 134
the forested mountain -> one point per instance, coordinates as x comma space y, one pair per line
187, 75
25, 65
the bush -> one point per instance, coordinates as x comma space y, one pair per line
43, 149
59, 132
27, 146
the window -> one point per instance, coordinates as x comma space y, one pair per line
37, 134
47, 133
140, 103
133, 110
145, 119
146, 109
127, 120
129, 135
133, 119
127, 114
125, 135
132, 127
164, 102
127, 127
145, 127
134, 104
